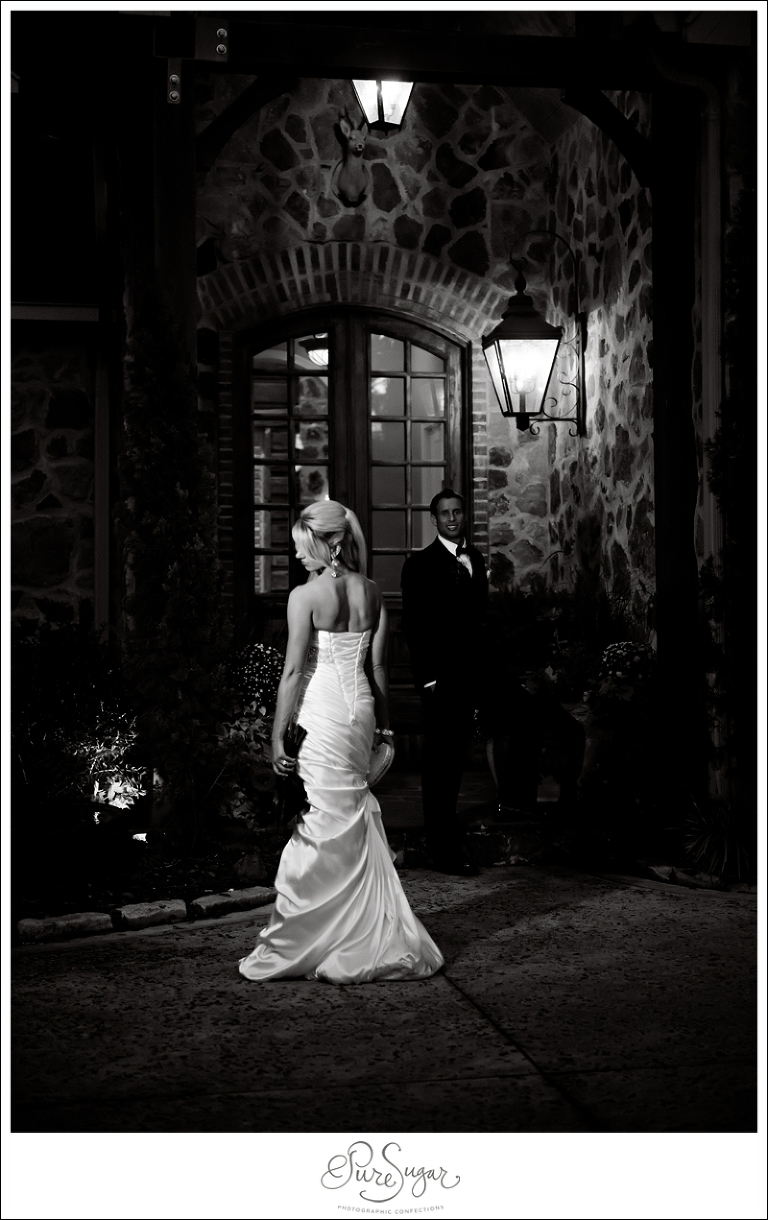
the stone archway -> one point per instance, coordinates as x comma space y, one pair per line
254, 291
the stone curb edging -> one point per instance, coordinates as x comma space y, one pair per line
142, 915
212, 905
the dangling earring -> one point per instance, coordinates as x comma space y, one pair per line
334, 558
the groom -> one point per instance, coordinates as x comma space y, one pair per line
445, 598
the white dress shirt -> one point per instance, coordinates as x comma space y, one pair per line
464, 559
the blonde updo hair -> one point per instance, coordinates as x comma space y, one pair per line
325, 525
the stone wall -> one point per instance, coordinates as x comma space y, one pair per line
467, 176
563, 505
449, 195
52, 477
462, 179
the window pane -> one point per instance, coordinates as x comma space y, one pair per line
270, 529
270, 440
312, 396
424, 531
387, 354
269, 397
272, 358
270, 573
270, 484
426, 482
310, 438
386, 572
388, 442
423, 361
311, 483
311, 352
427, 443
388, 529
388, 485
427, 398
387, 396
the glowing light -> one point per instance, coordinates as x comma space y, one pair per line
383, 102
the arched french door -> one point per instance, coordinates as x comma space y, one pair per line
361, 406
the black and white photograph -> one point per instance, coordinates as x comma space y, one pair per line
384, 393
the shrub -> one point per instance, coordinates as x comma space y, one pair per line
176, 639
64, 681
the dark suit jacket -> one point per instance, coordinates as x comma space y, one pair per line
443, 617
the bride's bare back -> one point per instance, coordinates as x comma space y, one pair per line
348, 603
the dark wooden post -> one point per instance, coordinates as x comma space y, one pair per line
174, 194
683, 733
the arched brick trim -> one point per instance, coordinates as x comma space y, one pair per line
252, 292
256, 290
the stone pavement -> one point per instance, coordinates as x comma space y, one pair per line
569, 1002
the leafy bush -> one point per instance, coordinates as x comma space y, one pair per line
250, 801
257, 673
715, 842
107, 776
176, 641
64, 682
558, 637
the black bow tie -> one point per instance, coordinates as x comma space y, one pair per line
464, 572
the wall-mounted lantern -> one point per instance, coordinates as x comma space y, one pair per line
383, 102
521, 353
317, 349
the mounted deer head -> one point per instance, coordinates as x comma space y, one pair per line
351, 178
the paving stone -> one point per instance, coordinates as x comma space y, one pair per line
568, 1003
501, 1103
146, 914
233, 900
675, 1099
648, 967
84, 923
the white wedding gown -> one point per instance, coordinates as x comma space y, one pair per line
340, 914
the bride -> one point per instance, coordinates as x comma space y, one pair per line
340, 914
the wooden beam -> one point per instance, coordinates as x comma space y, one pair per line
634, 147
211, 141
309, 49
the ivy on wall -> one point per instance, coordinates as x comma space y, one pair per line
176, 643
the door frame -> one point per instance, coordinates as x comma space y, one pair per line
345, 323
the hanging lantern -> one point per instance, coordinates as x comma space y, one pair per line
520, 353
317, 349
383, 102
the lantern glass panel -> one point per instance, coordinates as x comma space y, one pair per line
492, 359
367, 96
394, 99
527, 365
